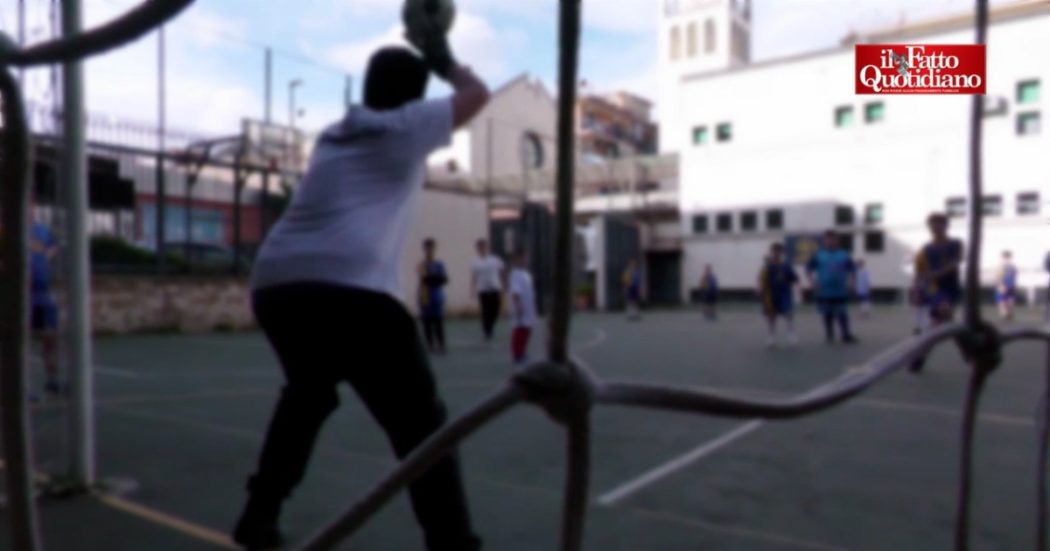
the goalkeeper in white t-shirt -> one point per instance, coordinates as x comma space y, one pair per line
325, 291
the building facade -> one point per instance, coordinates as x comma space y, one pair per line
615, 126
781, 150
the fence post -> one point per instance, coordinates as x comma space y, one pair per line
74, 164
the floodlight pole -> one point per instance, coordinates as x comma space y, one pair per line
268, 86
74, 171
162, 123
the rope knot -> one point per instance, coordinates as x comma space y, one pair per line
982, 346
564, 390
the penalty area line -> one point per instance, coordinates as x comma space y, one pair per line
625, 490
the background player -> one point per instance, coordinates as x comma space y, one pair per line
937, 275
831, 272
776, 284
523, 308
1006, 287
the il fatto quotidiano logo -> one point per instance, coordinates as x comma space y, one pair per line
920, 69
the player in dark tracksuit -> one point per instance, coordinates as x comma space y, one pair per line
776, 285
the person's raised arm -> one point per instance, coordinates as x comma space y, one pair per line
469, 93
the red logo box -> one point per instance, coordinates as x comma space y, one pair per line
920, 69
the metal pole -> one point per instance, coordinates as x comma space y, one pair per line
162, 202
268, 86
238, 187
973, 263
21, 39
14, 323
563, 258
349, 93
74, 170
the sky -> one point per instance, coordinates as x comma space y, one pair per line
215, 50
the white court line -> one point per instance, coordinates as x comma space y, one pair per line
599, 338
540, 491
707, 448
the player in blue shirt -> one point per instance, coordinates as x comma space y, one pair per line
1006, 287
43, 308
831, 272
776, 287
432, 281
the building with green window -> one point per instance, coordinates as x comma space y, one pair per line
781, 149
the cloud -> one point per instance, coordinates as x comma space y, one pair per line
787, 27
482, 46
634, 16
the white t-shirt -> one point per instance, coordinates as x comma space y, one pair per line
347, 222
521, 288
487, 272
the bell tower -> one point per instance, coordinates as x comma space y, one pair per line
697, 36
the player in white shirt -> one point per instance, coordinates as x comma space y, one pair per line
487, 284
325, 290
523, 308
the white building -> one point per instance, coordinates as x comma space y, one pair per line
784, 148
513, 135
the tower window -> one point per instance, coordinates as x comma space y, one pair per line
709, 36
676, 43
690, 40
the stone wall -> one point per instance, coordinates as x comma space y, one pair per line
128, 304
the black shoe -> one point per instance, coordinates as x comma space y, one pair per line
257, 528
850, 339
917, 366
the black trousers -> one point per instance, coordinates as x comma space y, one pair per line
434, 331
490, 306
325, 335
